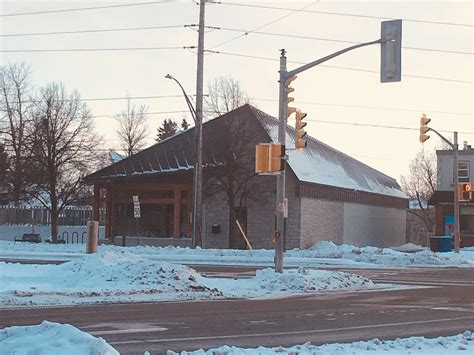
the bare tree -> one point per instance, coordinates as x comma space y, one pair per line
224, 95
233, 175
15, 107
419, 185
63, 147
132, 128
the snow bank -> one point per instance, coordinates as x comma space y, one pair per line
458, 344
51, 338
117, 275
387, 256
322, 254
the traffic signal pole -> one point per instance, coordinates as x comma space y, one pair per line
280, 192
455, 147
391, 34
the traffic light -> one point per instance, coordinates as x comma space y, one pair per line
465, 191
289, 89
299, 131
269, 158
424, 128
391, 51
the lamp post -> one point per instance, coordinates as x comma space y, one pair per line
197, 173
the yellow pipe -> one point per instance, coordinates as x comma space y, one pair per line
243, 234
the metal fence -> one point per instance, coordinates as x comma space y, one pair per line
69, 216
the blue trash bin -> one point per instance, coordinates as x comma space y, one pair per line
445, 243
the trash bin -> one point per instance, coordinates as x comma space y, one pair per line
441, 244
445, 243
435, 243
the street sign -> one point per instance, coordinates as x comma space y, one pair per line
136, 207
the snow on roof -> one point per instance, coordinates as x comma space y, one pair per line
321, 164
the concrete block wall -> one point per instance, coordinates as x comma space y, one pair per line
321, 220
373, 225
216, 212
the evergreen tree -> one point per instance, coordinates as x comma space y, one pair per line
167, 129
184, 124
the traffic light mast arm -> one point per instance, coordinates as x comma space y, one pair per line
442, 137
328, 57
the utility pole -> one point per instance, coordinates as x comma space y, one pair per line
457, 229
197, 205
280, 192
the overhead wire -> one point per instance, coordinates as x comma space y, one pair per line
86, 8
246, 32
346, 14
90, 49
91, 31
343, 68
372, 107
292, 12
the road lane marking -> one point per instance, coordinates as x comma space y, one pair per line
253, 335
128, 331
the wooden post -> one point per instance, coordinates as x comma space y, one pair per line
177, 213
108, 213
96, 203
92, 236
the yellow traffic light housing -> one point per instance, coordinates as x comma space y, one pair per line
289, 89
300, 133
269, 158
424, 128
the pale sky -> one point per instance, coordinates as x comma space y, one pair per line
327, 93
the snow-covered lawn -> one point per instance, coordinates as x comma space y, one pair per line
120, 275
323, 254
461, 344
51, 338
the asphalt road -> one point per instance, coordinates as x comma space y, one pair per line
437, 302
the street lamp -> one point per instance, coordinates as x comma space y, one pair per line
197, 174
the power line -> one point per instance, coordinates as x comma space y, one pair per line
247, 32
343, 68
92, 31
117, 98
91, 49
85, 8
373, 107
346, 14
379, 126
293, 11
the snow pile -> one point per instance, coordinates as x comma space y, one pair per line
458, 344
120, 276
268, 282
110, 275
387, 256
51, 338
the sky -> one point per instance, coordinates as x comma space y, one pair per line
437, 64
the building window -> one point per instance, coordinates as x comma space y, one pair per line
463, 171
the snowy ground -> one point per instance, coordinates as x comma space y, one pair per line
119, 275
51, 338
461, 344
323, 254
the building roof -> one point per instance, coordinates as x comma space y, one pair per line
318, 163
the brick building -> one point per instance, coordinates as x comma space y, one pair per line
331, 196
